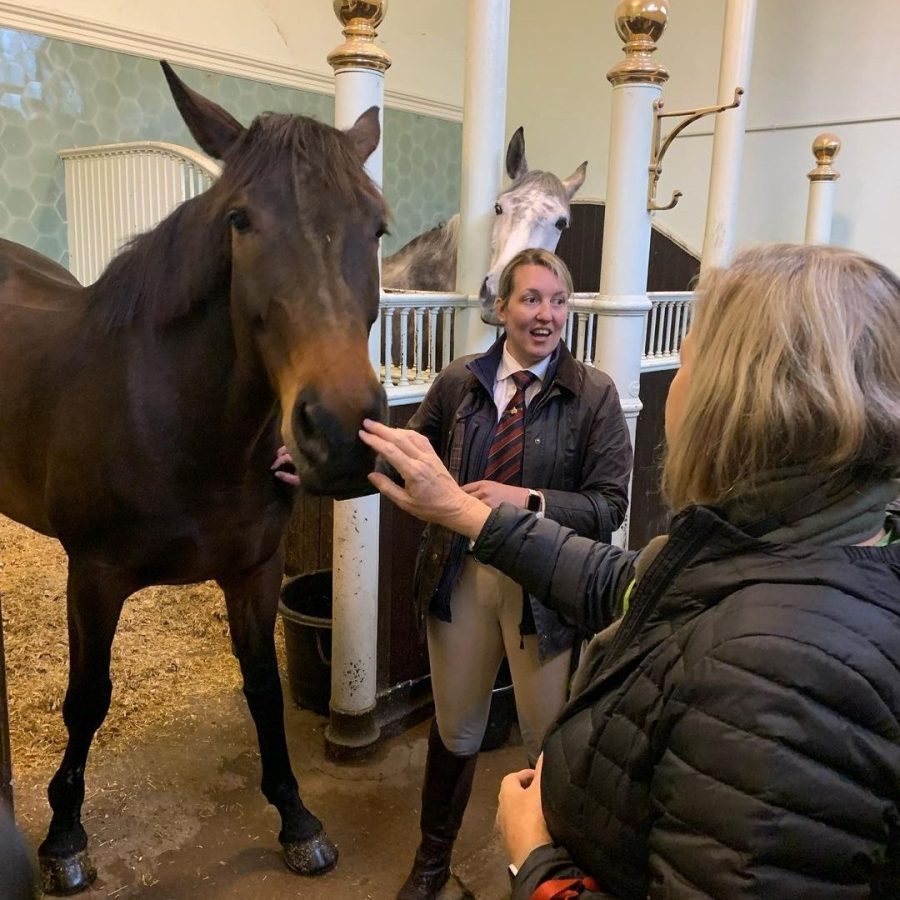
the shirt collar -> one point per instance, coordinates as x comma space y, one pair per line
508, 365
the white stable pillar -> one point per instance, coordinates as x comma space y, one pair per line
820, 209
359, 67
483, 149
623, 303
728, 137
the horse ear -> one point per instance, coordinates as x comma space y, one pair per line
575, 180
516, 164
365, 133
214, 129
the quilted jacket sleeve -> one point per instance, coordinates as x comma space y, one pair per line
581, 579
546, 863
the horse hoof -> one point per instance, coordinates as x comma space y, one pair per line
314, 856
65, 875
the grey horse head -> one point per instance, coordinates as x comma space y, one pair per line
532, 212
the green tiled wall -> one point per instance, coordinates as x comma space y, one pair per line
56, 95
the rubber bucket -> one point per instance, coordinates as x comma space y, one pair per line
305, 608
503, 710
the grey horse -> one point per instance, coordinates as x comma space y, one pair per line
532, 212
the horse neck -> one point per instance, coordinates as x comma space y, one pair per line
426, 263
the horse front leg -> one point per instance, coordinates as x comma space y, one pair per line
93, 604
252, 602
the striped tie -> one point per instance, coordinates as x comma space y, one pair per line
504, 462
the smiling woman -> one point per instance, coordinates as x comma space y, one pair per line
527, 424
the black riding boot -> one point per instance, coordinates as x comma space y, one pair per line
448, 784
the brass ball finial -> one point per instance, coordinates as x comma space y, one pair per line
360, 18
641, 20
368, 12
640, 23
825, 147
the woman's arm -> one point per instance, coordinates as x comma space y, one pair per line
580, 578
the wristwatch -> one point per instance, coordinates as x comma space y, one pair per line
535, 502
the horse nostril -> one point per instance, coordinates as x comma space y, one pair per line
484, 294
304, 420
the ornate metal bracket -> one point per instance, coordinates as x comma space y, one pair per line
662, 144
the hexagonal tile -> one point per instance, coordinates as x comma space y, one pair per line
15, 140
46, 220
18, 202
22, 231
16, 173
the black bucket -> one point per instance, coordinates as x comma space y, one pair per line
305, 609
502, 716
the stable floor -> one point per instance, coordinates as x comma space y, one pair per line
182, 817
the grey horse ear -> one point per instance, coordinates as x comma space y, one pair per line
214, 129
516, 164
365, 133
575, 180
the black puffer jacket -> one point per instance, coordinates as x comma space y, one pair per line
577, 452
742, 736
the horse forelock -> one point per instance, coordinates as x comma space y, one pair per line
295, 145
162, 274
534, 186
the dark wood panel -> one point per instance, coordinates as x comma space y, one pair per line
402, 653
671, 266
649, 513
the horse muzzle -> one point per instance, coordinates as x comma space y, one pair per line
487, 295
329, 457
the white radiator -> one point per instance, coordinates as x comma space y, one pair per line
115, 191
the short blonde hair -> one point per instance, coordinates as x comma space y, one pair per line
797, 362
534, 256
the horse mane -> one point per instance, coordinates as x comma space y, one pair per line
162, 275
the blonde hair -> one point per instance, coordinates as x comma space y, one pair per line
797, 362
534, 256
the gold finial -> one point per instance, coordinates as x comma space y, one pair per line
825, 147
360, 18
640, 23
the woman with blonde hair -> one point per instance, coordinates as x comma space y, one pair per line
739, 733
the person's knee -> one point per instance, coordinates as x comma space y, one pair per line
18, 880
461, 741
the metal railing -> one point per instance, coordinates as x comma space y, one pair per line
417, 335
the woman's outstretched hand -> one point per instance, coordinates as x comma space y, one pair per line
429, 491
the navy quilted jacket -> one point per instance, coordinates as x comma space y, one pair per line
741, 738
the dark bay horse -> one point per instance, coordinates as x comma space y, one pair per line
139, 416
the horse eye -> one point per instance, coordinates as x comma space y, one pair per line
239, 220
562, 223
498, 209
382, 231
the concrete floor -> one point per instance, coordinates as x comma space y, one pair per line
181, 815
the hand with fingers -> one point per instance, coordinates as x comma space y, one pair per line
287, 475
520, 816
429, 491
494, 493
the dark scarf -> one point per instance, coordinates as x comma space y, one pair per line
794, 506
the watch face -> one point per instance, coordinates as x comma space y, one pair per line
534, 502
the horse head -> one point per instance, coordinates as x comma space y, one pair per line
301, 222
532, 212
